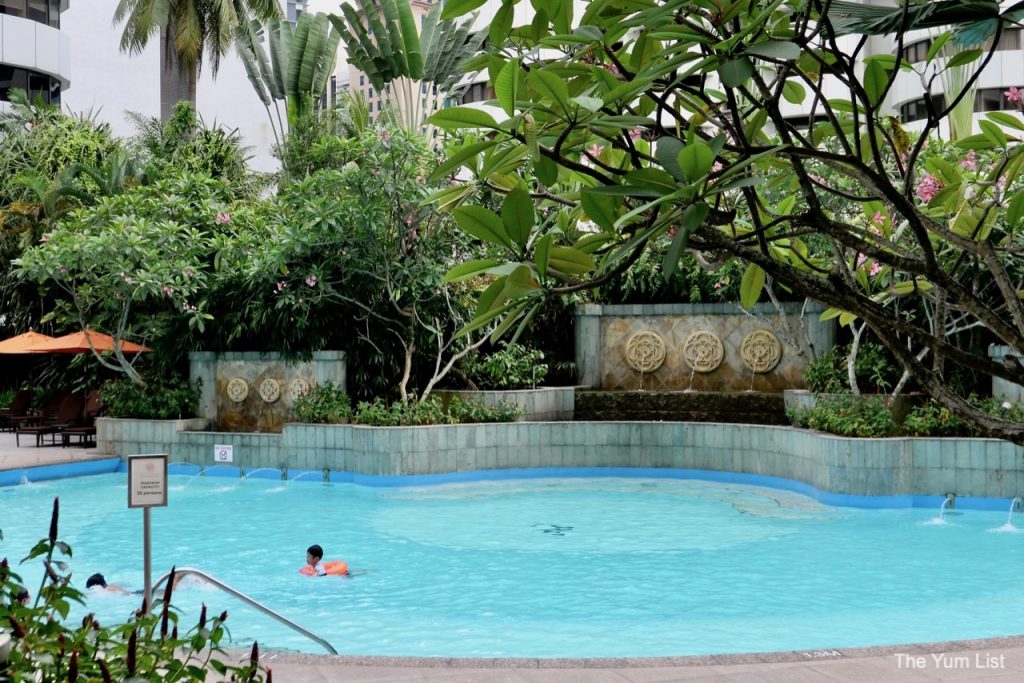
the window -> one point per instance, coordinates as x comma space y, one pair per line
378, 105
478, 92
917, 52
36, 84
362, 79
916, 109
43, 11
370, 93
334, 90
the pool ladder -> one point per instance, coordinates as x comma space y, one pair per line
190, 571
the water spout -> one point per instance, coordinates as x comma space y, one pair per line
256, 471
1009, 528
948, 502
201, 472
311, 473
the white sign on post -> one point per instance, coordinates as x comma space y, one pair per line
224, 453
147, 481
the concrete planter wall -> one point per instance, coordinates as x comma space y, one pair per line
1001, 388
256, 392
546, 404
124, 436
874, 467
606, 345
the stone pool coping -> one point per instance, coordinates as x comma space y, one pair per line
817, 655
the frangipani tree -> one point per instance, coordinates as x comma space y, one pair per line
415, 72
666, 123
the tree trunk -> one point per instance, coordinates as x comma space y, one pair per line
177, 82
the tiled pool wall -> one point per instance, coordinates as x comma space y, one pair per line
982, 468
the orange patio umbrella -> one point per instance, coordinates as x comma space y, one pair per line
78, 342
23, 343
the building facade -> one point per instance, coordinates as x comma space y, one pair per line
35, 55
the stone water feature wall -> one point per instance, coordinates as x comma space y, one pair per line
1002, 388
703, 347
256, 392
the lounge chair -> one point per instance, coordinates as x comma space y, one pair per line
68, 414
46, 415
19, 407
86, 431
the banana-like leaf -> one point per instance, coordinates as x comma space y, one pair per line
247, 52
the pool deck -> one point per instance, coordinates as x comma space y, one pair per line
993, 659
13, 457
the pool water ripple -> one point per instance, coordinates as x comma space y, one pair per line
545, 568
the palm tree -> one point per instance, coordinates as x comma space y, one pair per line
187, 29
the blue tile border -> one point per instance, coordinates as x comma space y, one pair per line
112, 465
62, 471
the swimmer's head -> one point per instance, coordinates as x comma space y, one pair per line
314, 554
96, 580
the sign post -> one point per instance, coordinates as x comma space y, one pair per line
147, 488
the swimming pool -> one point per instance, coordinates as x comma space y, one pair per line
544, 567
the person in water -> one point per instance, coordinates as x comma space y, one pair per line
96, 581
314, 555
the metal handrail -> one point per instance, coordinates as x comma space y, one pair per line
187, 571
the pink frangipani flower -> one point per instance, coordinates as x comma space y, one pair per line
1013, 94
928, 187
223, 218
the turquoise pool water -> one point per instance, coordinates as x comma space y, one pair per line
543, 567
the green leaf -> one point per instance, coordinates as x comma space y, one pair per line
667, 151
695, 160
735, 72
570, 260
751, 285
549, 87
830, 313
793, 92
691, 219
593, 104
1004, 119
501, 25
456, 8
517, 215
542, 253
775, 49
876, 78
937, 44
847, 319
454, 118
1016, 209
465, 271
547, 170
483, 224
965, 57
600, 209
507, 84
993, 133
457, 157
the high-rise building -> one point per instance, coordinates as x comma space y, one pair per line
34, 54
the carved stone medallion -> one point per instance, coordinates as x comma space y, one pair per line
298, 387
703, 351
761, 351
645, 351
237, 389
270, 390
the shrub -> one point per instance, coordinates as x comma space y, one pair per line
876, 372
431, 412
860, 416
146, 647
158, 400
513, 367
932, 419
325, 403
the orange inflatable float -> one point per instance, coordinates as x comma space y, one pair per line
335, 567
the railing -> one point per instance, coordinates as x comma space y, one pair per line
189, 571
